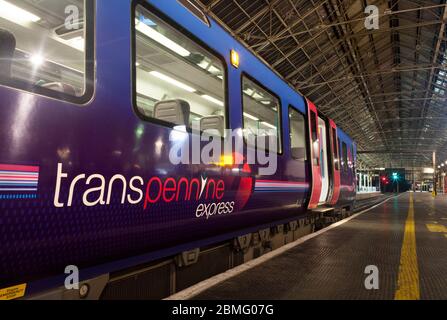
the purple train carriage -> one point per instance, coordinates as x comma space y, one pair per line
93, 94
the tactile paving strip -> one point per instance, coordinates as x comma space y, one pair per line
432, 247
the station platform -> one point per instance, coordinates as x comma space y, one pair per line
367, 195
404, 237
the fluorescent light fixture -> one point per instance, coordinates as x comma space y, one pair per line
37, 60
268, 125
213, 100
15, 14
249, 116
161, 39
172, 81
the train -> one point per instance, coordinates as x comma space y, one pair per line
95, 95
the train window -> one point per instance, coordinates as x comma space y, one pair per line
314, 136
297, 125
176, 76
334, 146
345, 157
261, 114
47, 47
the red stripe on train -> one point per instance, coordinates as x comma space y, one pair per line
12, 167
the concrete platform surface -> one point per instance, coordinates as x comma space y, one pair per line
397, 250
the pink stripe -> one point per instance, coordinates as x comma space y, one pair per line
9, 167
280, 182
3, 177
280, 186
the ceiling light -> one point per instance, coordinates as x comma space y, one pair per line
161, 39
15, 14
249, 116
268, 125
37, 60
213, 100
172, 81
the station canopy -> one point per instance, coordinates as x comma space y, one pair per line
385, 87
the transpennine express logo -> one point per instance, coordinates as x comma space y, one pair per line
208, 192
213, 196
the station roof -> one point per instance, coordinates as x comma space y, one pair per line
386, 87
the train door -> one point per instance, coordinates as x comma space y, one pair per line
314, 155
335, 164
324, 172
354, 161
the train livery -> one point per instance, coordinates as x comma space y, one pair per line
93, 98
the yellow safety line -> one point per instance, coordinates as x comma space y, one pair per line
408, 281
436, 228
